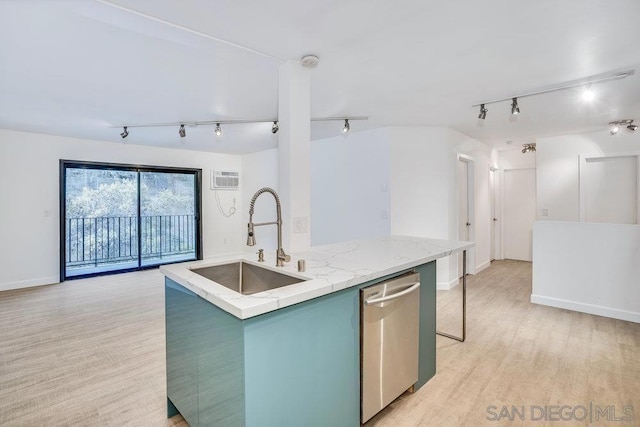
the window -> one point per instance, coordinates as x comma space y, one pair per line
122, 217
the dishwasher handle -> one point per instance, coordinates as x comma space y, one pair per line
410, 289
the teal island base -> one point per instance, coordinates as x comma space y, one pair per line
297, 366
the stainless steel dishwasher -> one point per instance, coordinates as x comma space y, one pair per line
389, 323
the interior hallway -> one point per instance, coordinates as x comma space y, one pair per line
91, 352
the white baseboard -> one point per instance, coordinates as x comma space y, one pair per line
28, 283
482, 266
446, 286
614, 313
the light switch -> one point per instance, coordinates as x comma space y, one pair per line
300, 224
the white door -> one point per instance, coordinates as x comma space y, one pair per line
519, 213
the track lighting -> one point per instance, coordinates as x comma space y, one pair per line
514, 106
346, 127
528, 148
275, 124
483, 112
614, 127
586, 82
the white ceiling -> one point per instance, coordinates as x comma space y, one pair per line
79, 67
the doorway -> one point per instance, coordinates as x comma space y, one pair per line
116, 218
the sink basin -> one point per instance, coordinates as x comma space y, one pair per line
246, 278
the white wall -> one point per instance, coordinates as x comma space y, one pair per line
558, 180
588, 267
29, 199
350, 187
260, 170
424, 191
516, 159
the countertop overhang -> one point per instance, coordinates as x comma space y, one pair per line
329, 268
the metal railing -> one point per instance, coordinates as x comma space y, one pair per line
95, 241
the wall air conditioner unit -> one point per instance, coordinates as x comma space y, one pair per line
225, 180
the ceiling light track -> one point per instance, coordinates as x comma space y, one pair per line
587, 81
218, 124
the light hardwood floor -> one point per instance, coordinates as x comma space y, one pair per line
91, 352
521, 354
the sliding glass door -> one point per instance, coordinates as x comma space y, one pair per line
124, 218
167, 208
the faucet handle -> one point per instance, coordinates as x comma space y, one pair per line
260, 255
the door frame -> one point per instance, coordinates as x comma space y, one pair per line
494, 197
471, 258
79, 164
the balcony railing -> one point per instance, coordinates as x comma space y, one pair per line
97, 241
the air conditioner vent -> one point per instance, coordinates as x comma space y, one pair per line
225, 180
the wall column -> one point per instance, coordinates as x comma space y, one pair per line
294, 152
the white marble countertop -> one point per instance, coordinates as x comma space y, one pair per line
329, 268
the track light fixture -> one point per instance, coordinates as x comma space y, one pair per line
614, 127
483, 112
275, 124
528, 148
588, 94
346, 127
586, 82
515, 110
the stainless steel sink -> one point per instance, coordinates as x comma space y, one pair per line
246, 278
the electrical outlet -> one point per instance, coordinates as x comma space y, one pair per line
300, 224
545, 212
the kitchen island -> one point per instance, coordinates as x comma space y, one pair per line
291, 355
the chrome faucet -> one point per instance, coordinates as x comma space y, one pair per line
281, 256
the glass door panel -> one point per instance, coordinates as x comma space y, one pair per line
101, 220
167, 217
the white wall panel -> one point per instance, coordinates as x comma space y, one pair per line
588, 267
